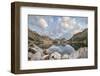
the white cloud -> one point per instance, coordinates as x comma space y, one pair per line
61, 27
43, 23
66, 19
65, 22
64, 25
69, 23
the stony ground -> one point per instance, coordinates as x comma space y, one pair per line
36, 53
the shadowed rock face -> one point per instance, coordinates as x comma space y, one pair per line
32, 50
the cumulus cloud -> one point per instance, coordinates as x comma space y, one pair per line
57, 26
65, 22
43, 23
70, 24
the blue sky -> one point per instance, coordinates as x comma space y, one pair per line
57, 26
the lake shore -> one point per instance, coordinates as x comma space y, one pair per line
37, 53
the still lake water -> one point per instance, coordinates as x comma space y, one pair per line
62, 49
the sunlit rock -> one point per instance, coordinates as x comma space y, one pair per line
83, 52
34, 54
80, 53
45, 57
55, 56
65, 56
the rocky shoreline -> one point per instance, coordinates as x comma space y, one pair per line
36, 53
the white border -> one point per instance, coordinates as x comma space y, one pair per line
25, 64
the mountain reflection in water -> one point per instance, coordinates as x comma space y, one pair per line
62, 49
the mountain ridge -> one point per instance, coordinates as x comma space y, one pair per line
45, 41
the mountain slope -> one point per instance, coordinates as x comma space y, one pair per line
41, 41
79, 40
80, 36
